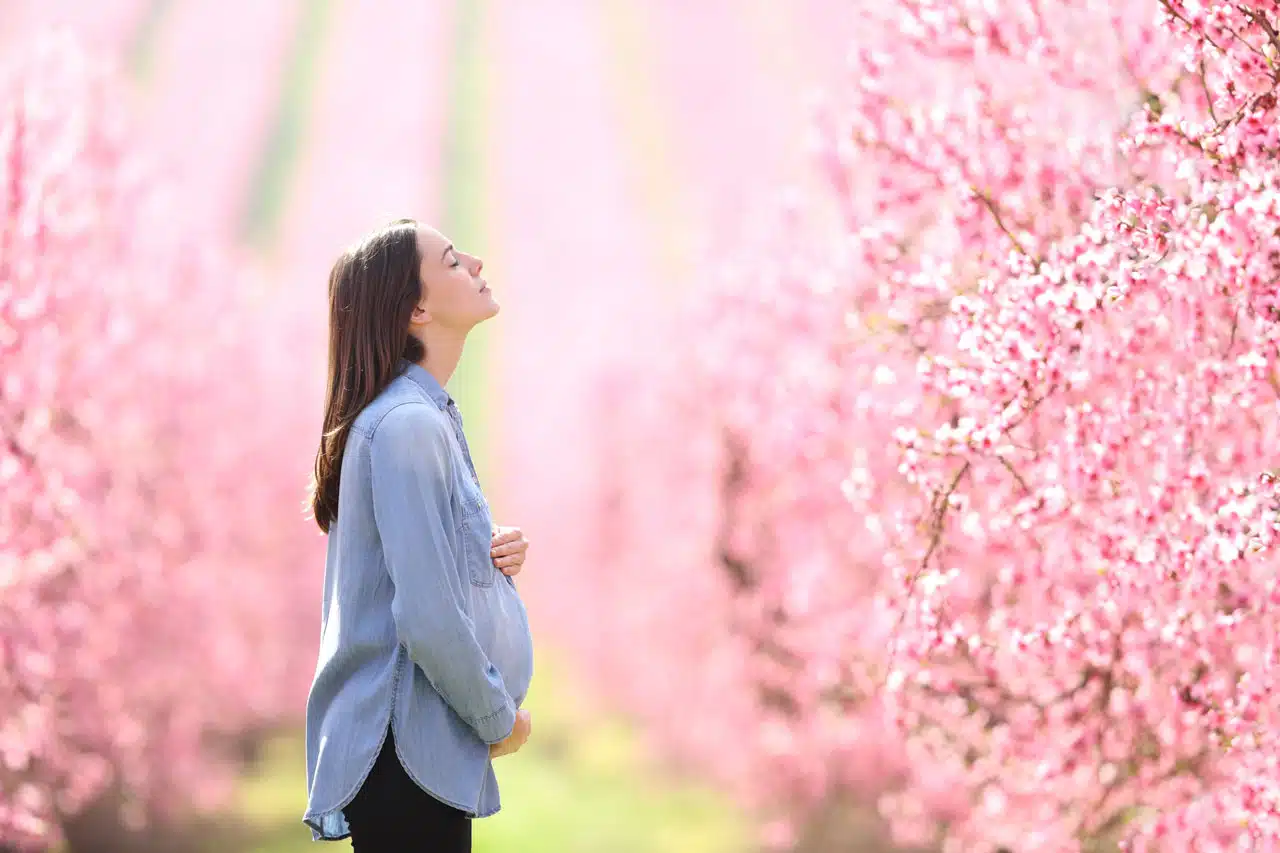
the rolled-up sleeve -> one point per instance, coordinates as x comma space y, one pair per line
411, 467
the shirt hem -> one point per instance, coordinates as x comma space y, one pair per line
472, 812
316, 820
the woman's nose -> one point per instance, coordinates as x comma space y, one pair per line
477, 265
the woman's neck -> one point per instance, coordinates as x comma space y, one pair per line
443, 352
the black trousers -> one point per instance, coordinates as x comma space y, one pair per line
391, 814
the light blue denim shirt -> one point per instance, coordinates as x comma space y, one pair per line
419, 631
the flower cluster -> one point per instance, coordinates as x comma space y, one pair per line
962, 490
153, 555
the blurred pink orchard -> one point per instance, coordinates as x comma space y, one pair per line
152, 554
959, 490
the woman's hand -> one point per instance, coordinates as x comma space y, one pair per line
507, 549
515, 740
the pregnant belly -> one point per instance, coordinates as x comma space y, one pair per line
502, 627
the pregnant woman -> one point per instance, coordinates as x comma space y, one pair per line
425, 651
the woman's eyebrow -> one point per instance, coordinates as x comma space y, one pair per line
447, 250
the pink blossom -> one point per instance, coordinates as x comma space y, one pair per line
153, 557
963, 498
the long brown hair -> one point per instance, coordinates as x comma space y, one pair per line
373, 288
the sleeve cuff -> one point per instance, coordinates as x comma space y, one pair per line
496, 727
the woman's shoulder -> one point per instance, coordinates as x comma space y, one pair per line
400, 411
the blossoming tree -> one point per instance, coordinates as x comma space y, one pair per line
153, 557
959, 489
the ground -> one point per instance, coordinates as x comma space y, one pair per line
581, 785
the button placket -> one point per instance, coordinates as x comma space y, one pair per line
455, 418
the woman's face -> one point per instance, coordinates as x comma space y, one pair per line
455, 296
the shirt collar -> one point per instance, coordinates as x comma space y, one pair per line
426, 382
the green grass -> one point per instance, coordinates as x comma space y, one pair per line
581, 785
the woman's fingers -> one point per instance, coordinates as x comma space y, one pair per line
507, 534
509, 549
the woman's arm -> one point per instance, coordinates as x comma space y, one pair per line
411, 464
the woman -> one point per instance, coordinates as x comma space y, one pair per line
425, 652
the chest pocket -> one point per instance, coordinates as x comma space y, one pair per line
477, 534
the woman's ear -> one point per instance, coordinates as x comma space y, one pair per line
420, 316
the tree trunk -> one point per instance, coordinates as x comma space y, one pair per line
99, 828
845, 824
